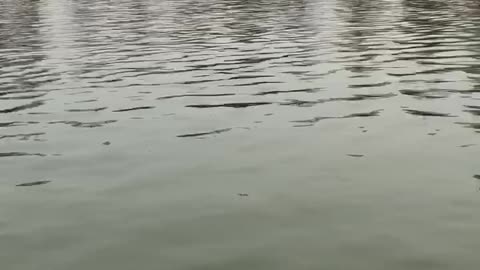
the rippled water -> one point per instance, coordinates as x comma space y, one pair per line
239, 134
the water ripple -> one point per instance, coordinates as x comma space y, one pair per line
151, 76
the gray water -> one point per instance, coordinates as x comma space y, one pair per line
239, 134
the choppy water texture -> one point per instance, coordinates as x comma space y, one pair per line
239, 134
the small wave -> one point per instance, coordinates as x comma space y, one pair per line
254, 83
84, 124
86, 101
243, 77
195, 95
230, 105
31, 105
201, 134
475, 110
307, 90
353, 115
22, 97
135, 109
22, 136
17, 123
87, 110
20, 154
472, 125
467, 145
428, 113
424, 94
36, 183
359, 97
356, 97
369, 85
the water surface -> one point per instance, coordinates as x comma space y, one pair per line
239, 134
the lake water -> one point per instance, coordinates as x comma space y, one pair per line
239, 134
